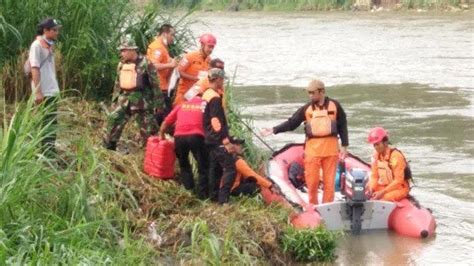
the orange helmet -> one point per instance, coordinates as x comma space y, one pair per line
208, 39
377, 134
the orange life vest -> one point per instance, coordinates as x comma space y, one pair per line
321, 120
128, 76
385, 172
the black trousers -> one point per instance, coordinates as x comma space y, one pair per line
247, 187
219, 157
195, 145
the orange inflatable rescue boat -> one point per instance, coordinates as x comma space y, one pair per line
351, 210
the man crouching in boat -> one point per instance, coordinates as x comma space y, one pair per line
247, 179
325, 120
390, 170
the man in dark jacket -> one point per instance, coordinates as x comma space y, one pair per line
216, 131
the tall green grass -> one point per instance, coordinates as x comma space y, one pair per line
210, 249
87, 48
239, 127
61, 211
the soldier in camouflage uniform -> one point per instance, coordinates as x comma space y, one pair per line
136, 92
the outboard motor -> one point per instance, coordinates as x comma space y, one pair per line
355, 181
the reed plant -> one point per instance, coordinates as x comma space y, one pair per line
243, 128
89, 38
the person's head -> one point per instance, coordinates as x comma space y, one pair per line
49, 28
216, 63
238, 144
316, 90
128, 50
216, 78
378, 137
167, 32
208, 42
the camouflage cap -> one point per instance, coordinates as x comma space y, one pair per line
128, 44
215, 73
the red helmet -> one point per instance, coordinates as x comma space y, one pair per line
376, 135
208, 39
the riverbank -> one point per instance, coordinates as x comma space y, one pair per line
319, 5
94, 205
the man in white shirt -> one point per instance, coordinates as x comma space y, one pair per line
43, 77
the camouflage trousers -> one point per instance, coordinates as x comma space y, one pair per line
140, 104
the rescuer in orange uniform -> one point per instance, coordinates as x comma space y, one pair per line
194, 65
390, 170
203, 83
246, 180
325, 120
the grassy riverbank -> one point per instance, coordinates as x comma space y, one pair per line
91, 205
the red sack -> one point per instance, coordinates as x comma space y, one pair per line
159, 158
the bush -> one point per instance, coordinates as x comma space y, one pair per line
308, 245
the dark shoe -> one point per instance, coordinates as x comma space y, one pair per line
110, 145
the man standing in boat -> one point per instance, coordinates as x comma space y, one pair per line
325, 121
390, 170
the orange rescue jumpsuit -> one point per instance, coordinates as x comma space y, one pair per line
320, 153
388, 175
192, 64
157, 53
244, 171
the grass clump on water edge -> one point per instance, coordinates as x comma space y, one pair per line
307, 245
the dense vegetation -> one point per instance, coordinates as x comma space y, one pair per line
93, 206
87, 54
